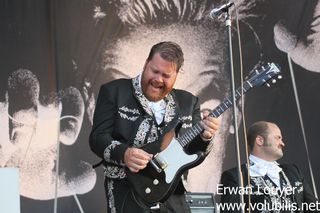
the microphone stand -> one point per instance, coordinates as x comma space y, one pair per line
235, 124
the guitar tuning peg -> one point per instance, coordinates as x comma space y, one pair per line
274, 81
279, 76
268, 85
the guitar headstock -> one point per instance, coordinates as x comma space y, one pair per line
264, 74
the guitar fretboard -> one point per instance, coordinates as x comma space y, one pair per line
197, 129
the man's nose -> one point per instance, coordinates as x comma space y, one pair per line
159, 78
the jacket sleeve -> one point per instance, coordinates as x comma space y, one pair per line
197, 144
308, 195
228, 182
230, 192
101, 141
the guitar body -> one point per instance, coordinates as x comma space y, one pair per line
152, 186
159, 179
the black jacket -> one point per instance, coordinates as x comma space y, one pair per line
123, 119
301, 193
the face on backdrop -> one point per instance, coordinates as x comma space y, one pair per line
296, 30
32, 128
304, 49
30, 133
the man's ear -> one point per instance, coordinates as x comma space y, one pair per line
259, 140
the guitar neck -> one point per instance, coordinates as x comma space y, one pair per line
197, 129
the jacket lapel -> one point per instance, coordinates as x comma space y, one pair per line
148, 130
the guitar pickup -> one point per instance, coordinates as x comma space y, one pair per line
158, 163
155, 166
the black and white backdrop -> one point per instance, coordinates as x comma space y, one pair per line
55, 54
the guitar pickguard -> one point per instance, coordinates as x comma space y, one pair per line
175, 158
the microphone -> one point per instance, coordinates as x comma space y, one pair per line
216, 12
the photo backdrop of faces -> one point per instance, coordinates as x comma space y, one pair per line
56, 54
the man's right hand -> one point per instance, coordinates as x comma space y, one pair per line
136, 159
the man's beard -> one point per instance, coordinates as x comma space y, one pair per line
154, 96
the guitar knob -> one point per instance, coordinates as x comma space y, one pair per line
155, 182
274, 81
279, 76
148, 190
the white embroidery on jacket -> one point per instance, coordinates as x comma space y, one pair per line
153, 134
142, 132
187, 121
114, 172
126, 109
170, 109
129, 114
184, 125
184, 118
268, 186
111, 196
108, 150
124, 116
139, 95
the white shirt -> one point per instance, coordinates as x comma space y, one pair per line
158, 108
262, 167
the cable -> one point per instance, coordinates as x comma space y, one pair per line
242, 102
301, 123
78, 203
33, 126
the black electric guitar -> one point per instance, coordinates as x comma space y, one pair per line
158, 180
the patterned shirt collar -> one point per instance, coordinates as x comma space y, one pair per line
158, 108
260, 167
170, 109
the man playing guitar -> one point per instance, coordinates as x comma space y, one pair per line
132, 113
